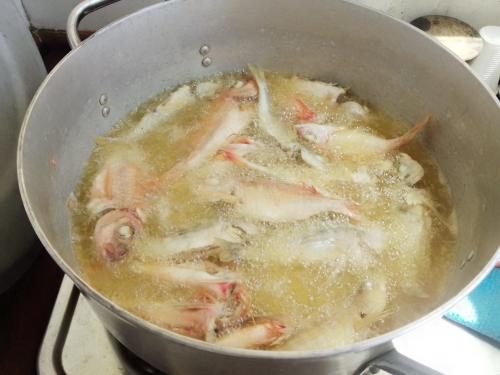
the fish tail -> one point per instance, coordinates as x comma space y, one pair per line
259, 76
352, 210
410, 134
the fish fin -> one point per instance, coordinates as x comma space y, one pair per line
303, 112
258, 75
409, 135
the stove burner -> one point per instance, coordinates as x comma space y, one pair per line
131, 361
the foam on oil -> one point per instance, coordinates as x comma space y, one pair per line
320, 299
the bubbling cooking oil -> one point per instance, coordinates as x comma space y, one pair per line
334, 296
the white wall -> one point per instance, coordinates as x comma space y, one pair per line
52, 13
477, 13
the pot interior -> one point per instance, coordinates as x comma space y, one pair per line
388, 63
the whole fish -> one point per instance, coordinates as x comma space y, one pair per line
179, 99
226, 119
285, 135
272, 201
220, 238
197, 320
264, 333
354, 142
121, 183
326, 92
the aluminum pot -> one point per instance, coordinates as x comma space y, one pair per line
21, 71
396, 67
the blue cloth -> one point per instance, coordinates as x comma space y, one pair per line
480, 311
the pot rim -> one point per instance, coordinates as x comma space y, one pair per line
89, 292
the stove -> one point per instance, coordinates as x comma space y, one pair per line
76, 343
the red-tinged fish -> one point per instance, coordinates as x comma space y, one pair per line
226, 119
219, 286
272, 201
285, 135
354, 142
114, 233
266, 333
120, 184
198, 320
303, 112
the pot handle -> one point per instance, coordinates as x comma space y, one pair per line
395, 363
76, 15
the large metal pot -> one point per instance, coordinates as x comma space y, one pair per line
21, 71
386, 61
